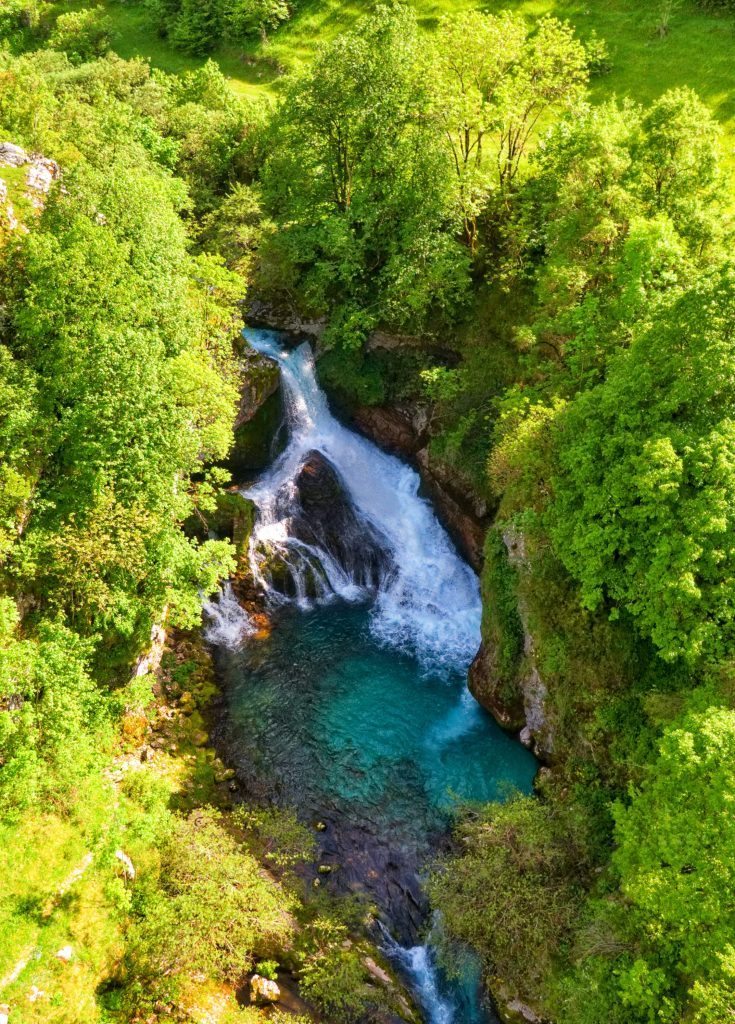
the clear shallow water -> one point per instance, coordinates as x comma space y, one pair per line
332, 716
355, 710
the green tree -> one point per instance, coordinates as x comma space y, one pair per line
676, 164
83, 35
677, 870
644, 491
198, 26
360, 184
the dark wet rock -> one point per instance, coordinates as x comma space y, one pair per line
485, 685
464, 512
322, 517
258, 440
398, 430
388, 342
281, 316
517, 700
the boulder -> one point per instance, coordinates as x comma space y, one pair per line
283, 317
258, 437
12, 155
65, 954
324, 517
127, 864
263, 990
486, 687
392, 428
259, 379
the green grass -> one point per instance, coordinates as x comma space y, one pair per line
699, 49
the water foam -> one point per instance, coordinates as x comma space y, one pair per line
430, 605
418, 964
228, 624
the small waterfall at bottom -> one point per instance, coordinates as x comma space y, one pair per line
228, 624
419, 965
353, 709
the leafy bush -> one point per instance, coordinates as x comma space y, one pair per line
513, 893
83, 35
211, 909
331, 971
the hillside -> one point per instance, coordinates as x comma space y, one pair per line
696, 49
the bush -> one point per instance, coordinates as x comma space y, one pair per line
83, 35
514, 892
211, 910
332, 974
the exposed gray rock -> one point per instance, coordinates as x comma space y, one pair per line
282, 318
538, 731
12, 155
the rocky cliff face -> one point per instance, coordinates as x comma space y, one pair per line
511, 687
25, 180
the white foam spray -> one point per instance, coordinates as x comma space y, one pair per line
228, 624
430, 606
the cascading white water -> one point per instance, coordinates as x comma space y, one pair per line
429, 604
228, 624
417, 964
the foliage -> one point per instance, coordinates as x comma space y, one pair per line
83, 35
331, 971
502, 629
285, 840
512, 893
644, 489
198, 26
360, 185
212, 910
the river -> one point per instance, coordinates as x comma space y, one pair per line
355, 710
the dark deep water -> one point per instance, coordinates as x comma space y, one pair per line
355, 710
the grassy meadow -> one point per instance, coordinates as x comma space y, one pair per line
697, 49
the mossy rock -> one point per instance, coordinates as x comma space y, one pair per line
495, 674
233, 518
258, 440
280, 574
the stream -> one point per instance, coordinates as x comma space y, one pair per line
354, 711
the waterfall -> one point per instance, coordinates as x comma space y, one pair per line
228, 624
442, 1004
417, 964
425, 599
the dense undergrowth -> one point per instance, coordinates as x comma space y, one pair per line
561, 273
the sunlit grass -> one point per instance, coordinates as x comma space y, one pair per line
699, 49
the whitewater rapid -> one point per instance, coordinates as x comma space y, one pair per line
430, 605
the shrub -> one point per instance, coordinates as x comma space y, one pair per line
83, 35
